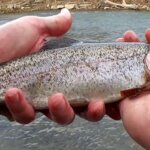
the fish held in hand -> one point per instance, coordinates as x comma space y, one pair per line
82, 72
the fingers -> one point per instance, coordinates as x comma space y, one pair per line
59, 109
94, 112
59, 24
62, 113
147, 35
20, 109
129, 36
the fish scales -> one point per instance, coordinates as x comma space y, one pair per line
82, 72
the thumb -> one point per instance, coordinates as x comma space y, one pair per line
59, 24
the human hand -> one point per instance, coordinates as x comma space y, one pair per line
22, 37
25, 36
135, 112
59, 109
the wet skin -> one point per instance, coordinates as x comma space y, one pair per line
134, 113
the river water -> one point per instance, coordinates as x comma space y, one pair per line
42, 134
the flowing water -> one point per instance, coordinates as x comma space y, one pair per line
42, 134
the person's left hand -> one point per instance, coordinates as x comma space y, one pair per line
25, 36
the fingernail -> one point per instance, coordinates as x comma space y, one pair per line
148, 30
130, 32
147, 35
13, 98
64, 10
63, 103
58, 103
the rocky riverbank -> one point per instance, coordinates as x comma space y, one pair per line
16, 6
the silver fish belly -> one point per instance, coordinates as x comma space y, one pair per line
81, 72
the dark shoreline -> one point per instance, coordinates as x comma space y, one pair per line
72, 10
15, 8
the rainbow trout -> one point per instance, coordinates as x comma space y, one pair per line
107, 71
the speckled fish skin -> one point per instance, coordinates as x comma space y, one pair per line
82, 72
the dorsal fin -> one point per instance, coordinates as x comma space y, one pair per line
53, 43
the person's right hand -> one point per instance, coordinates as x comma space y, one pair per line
135, 113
